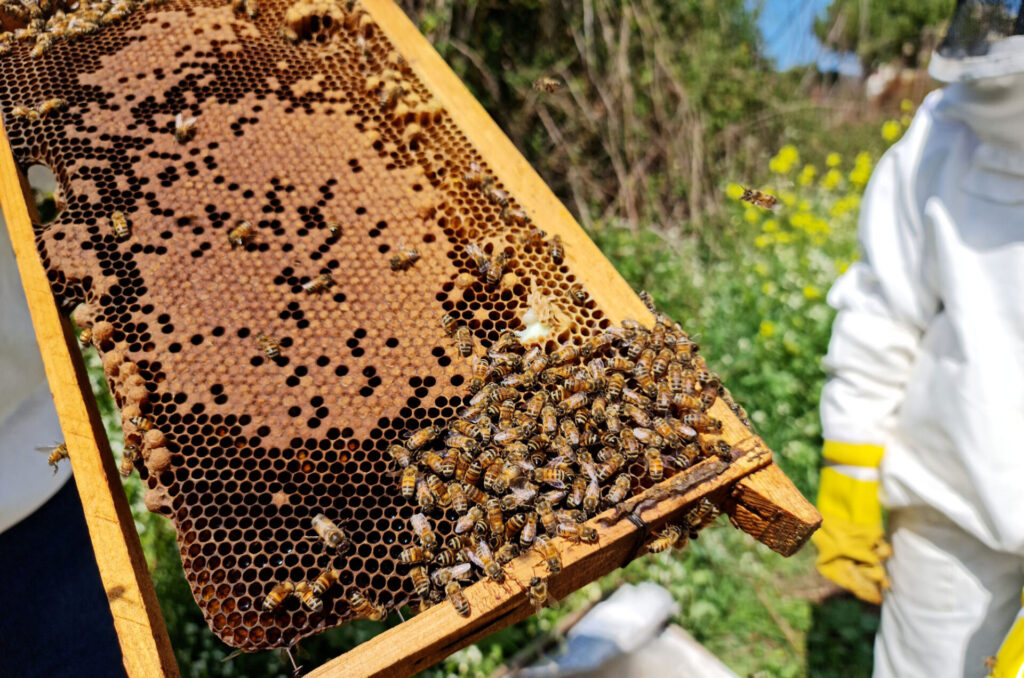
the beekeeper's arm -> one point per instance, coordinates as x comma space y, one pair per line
883, 308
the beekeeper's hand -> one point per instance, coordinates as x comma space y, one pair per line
851, 541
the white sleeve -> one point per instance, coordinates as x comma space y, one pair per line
883, 302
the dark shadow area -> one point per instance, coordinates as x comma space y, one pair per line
841, 638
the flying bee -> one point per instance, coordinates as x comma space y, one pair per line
119, 224
759, 198
668, 538
55, 455
142, 423
655, 466
268, 345
404, 259
449, 324
331, 534
549, 552
618, 492
534, 237
609, 468
555, 249
424, 436
547, 85
409, 477
496, 268
702, 422
413, 556
184, 128
364, 608
528, 533
421, 526
325, 581
538, 592
464, 341
277, 595
578, 294
577, 533
401, 454
51, 106
318, 284
129, 456
474, 177
241, 234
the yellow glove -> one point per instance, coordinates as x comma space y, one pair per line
1009, 661
851, 544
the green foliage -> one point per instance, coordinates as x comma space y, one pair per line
883, 31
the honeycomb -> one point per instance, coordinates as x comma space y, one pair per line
312, 130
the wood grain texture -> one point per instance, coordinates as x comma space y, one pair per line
434, 634
145, 645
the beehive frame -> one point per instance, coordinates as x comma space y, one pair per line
764, 504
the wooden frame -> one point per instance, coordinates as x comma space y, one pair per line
761, 500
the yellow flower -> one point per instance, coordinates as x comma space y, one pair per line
804, 206
891, 130
807, 175
734, 190
832, 178
770, 226
788, 198
859, 176
833, 159
752, 215
906, 105
762, 241
784, 160
811, 292
760, 269
906, 120
784, 238
767, 329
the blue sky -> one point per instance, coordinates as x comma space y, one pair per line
788, 30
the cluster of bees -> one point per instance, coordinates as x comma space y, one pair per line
545, 443
44, 22
311, 593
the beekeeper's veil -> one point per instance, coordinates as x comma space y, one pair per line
985, 39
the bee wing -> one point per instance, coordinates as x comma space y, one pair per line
686, 431
178, 123
190, 122
461, 571
464, 523
419, 522
524, 494
591, 471
474, 558
483, 550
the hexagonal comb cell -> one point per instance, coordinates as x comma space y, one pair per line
263, 237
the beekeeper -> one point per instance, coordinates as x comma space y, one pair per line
925, 387
55, 619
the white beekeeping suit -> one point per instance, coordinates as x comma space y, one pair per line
27, 416
926, 372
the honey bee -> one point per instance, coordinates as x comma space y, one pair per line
637, 413
577, 491
305, 593
241, 234
577, 533
556, 478
333, 227
409, 477
668, 538
496, 196
464, 341
459, 500
421, 526
684, 402
660, 364
508, 342
515, 217
555, 249
420, 581
449, 324
318, 284
507, 553
569, 431
528, 533
51, 106
184, 128
55, 455
44, 42
547, 516
438, 490
332, 535
538, 592
404, 259
325, 581
413, 555
479, 257
25, 113
515, 525
424, 436
447, 557
495, 517
142, 423
572, 403
129, 456
534, 237
425, 498
547, 85
759, 198
655, 466
496, 268
453, 590
609, 468
578, 294
85, 338
702, 422
119, 224
474, 494
364, 608
564, 354
402, 456
268, 345
486, 562
469, 521
549, 552
618, 492
474, 177
277, 596
701, 516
